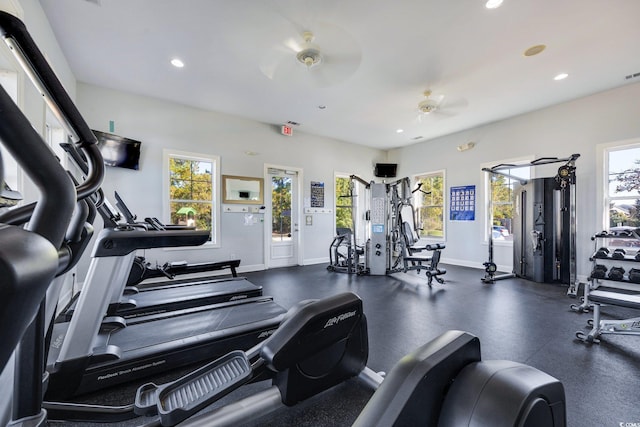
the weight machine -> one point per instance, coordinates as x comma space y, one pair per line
544, 222
389, 238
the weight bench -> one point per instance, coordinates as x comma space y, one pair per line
629, 326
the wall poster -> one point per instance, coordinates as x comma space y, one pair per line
317, 194
462, 203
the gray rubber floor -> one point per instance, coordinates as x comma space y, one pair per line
515, 320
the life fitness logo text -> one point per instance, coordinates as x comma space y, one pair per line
335, 320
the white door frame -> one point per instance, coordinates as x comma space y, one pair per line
298, 238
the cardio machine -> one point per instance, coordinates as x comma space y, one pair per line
129, 301
143, 270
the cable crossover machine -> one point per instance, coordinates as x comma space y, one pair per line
544, 224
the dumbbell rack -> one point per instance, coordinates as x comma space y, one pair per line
621, 247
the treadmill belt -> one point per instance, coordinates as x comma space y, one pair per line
143, 336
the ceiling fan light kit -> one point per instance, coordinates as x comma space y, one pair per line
428, 105
310, 56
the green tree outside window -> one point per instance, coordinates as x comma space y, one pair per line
430, 207
191, 192
344, 207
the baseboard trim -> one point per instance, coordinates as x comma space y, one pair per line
312, 261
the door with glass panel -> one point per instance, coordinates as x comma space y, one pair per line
282, 205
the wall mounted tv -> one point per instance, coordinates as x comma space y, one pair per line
385, 170
118, 151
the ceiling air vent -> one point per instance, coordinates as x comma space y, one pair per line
632, 76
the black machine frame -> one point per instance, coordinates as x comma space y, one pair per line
566, 181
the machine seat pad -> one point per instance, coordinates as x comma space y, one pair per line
615, 298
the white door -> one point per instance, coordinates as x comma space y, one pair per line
282, 217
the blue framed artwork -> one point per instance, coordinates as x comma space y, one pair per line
462, 203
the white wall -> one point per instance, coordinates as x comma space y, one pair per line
558, 131
160, 124
573, 127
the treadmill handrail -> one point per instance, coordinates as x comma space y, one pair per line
123, 241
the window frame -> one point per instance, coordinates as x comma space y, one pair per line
337, 176
603, 171
445, 206
486, 189
167, 154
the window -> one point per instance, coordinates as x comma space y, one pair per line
622, 189
500, 206
344, 202
281, 201
191, 190
9, 81
430, 207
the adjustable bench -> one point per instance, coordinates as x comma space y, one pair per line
629, 326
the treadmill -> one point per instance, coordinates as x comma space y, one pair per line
129, 302
90, 352
140, 270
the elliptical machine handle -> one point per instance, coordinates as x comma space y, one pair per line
15, 35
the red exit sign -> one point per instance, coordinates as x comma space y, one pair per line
287, 130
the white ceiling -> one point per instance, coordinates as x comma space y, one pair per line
378, 58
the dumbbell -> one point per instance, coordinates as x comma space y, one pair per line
616, 273
600, 271
634, 275
602, 253
618, 253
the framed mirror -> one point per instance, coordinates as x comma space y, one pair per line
242, 190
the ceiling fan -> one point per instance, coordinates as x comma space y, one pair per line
436, 104
430, 103
323, 57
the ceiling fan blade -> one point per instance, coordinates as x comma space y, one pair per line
339, 51
454, 104
294, 45
275, 58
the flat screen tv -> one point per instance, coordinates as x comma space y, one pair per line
118, 151
385, 170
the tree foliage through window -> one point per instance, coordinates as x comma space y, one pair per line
191, 192
430, 207
344, 203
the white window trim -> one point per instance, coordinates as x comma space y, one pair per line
215, 209
485, 215
337, 175
602, 174
445, 204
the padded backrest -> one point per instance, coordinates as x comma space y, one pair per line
342, 231
408, 235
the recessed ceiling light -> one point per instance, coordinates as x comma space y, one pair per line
493, 4
399, 130
534, 50
177, 63
561, 76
